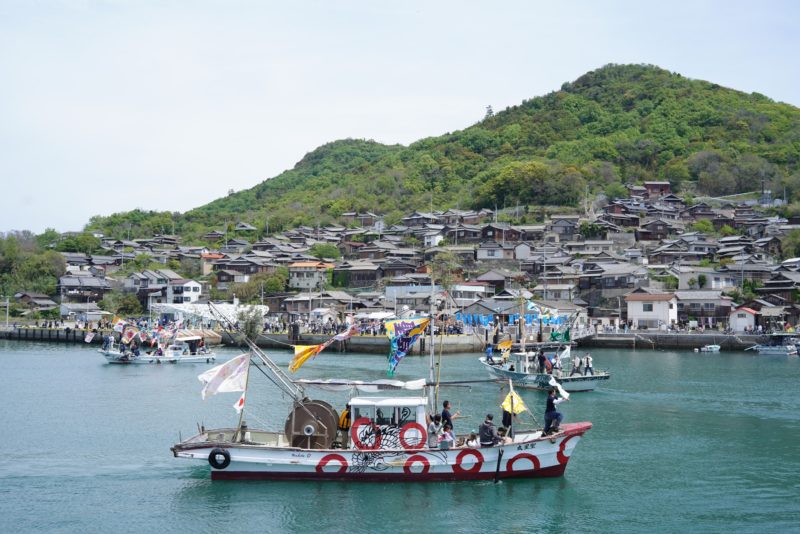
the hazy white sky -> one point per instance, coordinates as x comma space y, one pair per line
107, 106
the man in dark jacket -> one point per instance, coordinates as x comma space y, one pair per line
487, 432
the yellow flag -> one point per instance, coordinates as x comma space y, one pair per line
505, 345
518, 406
302, 353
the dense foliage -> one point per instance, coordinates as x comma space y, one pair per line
25, 265
618, 124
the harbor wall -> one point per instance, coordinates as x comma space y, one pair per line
664, 340
450, 344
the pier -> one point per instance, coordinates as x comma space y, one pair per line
664, 340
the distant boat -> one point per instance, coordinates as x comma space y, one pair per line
185, 348
781, 344
523, 369
708, 348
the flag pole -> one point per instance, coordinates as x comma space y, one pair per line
244, 393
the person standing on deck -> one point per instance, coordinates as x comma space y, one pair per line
588, 365
576, 365
447, 417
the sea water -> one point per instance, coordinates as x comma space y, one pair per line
682, 442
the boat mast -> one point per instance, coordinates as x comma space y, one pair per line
431, 387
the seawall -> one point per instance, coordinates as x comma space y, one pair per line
664, 340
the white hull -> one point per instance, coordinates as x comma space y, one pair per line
574, 383
777, 350
116, 357
529, 455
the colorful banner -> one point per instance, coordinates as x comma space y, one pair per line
302, 353
230, 376
403, 333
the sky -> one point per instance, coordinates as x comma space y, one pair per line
108, 106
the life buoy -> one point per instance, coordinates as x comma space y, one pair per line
416, 458
213, 458
460, 459
358, 423
563, 458
423, 436
325, 460
522, 456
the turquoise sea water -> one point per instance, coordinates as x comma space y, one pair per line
682, 442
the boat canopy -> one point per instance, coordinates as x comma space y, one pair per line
334, 384
394, 402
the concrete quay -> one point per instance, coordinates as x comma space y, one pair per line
666, 340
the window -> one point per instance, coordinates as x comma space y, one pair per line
647, 306
708, 306
195, 289
741, 315
491, 253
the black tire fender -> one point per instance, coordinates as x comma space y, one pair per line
213, 458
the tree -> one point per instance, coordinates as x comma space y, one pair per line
703, 225
324, 250
701, 281
790, 245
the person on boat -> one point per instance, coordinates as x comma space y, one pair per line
489, 352
434, 427
201, 346
557, 366
344, 425
447, 416
552, 417
576, 365
488, 432
472, 441
447, 439
587, 361
541, 358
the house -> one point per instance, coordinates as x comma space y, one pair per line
357, 273
784, 284
742, 319
214, 235
707, 307
651, 310
82, 311
244, 227
498, 278
564, 226
657, 189
501, 233
74, 288
225, 278
35, 301
492, 250
555, 291
182, 291
696, 277
655, 230
308, 274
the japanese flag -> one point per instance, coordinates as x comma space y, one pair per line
239, 406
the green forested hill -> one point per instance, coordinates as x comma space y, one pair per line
618, 124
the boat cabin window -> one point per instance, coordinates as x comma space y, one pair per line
363, 411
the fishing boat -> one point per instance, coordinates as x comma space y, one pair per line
387, 440
183, 348
522, 368
708, 348
781, 344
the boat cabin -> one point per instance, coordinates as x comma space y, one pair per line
187, 345
382, 422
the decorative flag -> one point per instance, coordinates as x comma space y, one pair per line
513, 403
119, 324
402, 334
561, 390
239, 406
302, 353
347, 334
228, 377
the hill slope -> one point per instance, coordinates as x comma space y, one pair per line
617, 124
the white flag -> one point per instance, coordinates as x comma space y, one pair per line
239, 406
230, 376
561, 390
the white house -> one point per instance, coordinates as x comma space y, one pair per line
742, 318
652, 310
183, 291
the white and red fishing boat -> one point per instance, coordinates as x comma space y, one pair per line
386, 442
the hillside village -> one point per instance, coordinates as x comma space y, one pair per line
645, 261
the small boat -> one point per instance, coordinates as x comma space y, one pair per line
781, 344
386, 442
523, 369
708, 348
185, 348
